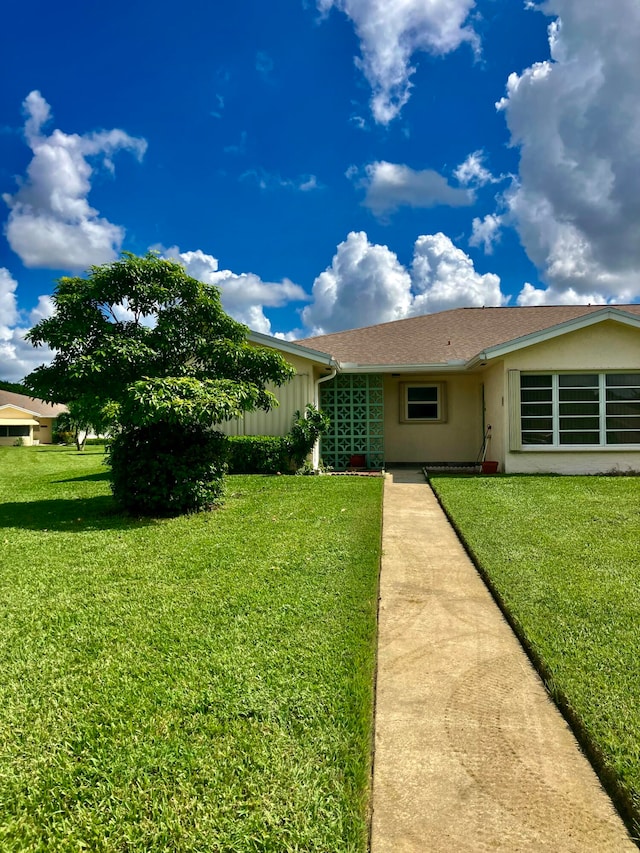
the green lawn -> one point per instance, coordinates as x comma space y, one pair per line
193, 684
563, 555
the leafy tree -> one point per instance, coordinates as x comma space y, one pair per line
16, 387
144, 347
79, 423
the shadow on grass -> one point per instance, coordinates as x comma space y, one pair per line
76, 515
87, 478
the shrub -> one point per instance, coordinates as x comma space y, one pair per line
269, 454
306, 430
62, 436
258, 454
167, 469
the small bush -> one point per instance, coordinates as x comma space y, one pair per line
258, 454
306, 429
63, 436
167, 469
270, 454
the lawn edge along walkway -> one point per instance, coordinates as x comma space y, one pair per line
470, 752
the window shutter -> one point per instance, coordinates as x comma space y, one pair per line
513, 390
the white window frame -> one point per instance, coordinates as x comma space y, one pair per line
602, 401
440, 402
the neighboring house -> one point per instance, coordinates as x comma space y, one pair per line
27, 419
558, 385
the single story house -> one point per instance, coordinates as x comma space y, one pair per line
553, 388
27, 419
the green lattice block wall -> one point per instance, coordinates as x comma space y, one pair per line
355, 404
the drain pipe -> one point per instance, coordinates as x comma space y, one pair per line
315, 453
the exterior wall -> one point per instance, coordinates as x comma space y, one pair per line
9, 441
20, 416
45, 433
292, 397
458, 439
496, 412
604, 346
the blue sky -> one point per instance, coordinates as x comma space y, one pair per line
328, 163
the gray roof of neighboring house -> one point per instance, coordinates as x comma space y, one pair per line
448, 336
31, 404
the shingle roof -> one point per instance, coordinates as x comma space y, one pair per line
448, 336
32, 404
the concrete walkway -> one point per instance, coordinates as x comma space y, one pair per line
470, 753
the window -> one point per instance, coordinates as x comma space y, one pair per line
13, 431
422, 402
585, 409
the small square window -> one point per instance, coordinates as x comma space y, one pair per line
422, 402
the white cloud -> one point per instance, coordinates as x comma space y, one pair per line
530, 295
17, 356
486, 232
51, 223
43, 310
444, 277
366, 284
391, 185
244, 296
473, 172
576, 120
391, 31
8, 307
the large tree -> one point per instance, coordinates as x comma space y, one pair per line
140, 344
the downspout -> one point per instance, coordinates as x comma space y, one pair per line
315, 453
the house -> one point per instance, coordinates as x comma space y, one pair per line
26, 419
555, 389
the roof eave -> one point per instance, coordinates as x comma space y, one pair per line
292, 348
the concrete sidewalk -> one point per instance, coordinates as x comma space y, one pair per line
470, 752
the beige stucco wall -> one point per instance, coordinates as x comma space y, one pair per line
495, 411
292, 397
44, 435
605, 346
10, 413
458, 439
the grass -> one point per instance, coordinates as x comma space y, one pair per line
563, 556
189, 684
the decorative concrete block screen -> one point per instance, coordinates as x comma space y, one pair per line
355, 404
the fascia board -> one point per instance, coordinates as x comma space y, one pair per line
554, 332
440, 367
292, 348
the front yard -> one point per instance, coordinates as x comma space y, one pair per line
189, 684
563, 556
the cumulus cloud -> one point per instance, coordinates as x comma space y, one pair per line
51, 223
576, 121
530, 295
444, 277
366, 284
17, 356
244, 296
473, 172
8, 306
392, 185
392, 31
486, 232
